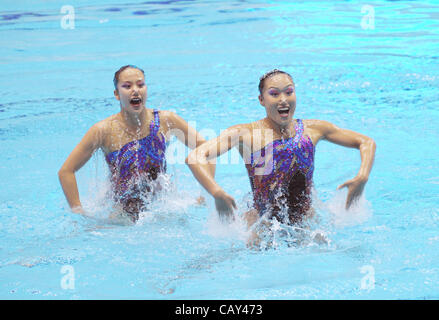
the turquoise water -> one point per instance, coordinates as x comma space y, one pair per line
203, 59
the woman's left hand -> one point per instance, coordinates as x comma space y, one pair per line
355, 189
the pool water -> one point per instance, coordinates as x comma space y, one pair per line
203, 59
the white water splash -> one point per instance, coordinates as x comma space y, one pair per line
358, 213
235, 229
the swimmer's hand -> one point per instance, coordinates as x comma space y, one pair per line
78, 210
355, 189
225, 204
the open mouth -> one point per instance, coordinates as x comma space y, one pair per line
135, 101
284, 111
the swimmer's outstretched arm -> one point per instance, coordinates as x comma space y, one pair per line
351, 139
187, 135
208, 151
77, 158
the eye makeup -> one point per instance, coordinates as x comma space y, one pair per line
273, 92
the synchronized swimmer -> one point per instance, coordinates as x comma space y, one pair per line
278, 152
134, 143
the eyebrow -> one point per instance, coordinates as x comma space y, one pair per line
290, 85
128, 81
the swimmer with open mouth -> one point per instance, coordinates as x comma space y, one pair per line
134, 142
278, 152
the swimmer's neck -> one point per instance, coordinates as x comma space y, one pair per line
134, 121
279, 128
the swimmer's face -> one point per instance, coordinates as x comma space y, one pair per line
131, 90
279, 98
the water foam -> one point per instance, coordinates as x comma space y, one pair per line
224, 228
359, 212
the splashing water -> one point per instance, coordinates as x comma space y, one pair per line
163, 199
359, 212
233, 229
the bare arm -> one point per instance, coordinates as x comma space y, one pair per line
77, 158
211, 150
351, 139
189, 136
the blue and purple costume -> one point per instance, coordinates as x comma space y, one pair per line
281, 176
135, 165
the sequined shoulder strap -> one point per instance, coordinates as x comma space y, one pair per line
299, 129
155, 123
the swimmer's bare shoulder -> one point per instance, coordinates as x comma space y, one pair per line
316, 129
104, 130
168, 120
316, 124
167, 115
171, 124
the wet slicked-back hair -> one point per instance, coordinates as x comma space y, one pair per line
269, 74
118, 72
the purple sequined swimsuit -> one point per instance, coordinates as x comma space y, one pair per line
281, 176
135, 165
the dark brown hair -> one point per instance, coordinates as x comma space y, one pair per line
269, 74
118, 72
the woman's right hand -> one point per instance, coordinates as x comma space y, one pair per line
78, 209
225, 204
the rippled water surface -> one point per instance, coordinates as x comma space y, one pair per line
203, 59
